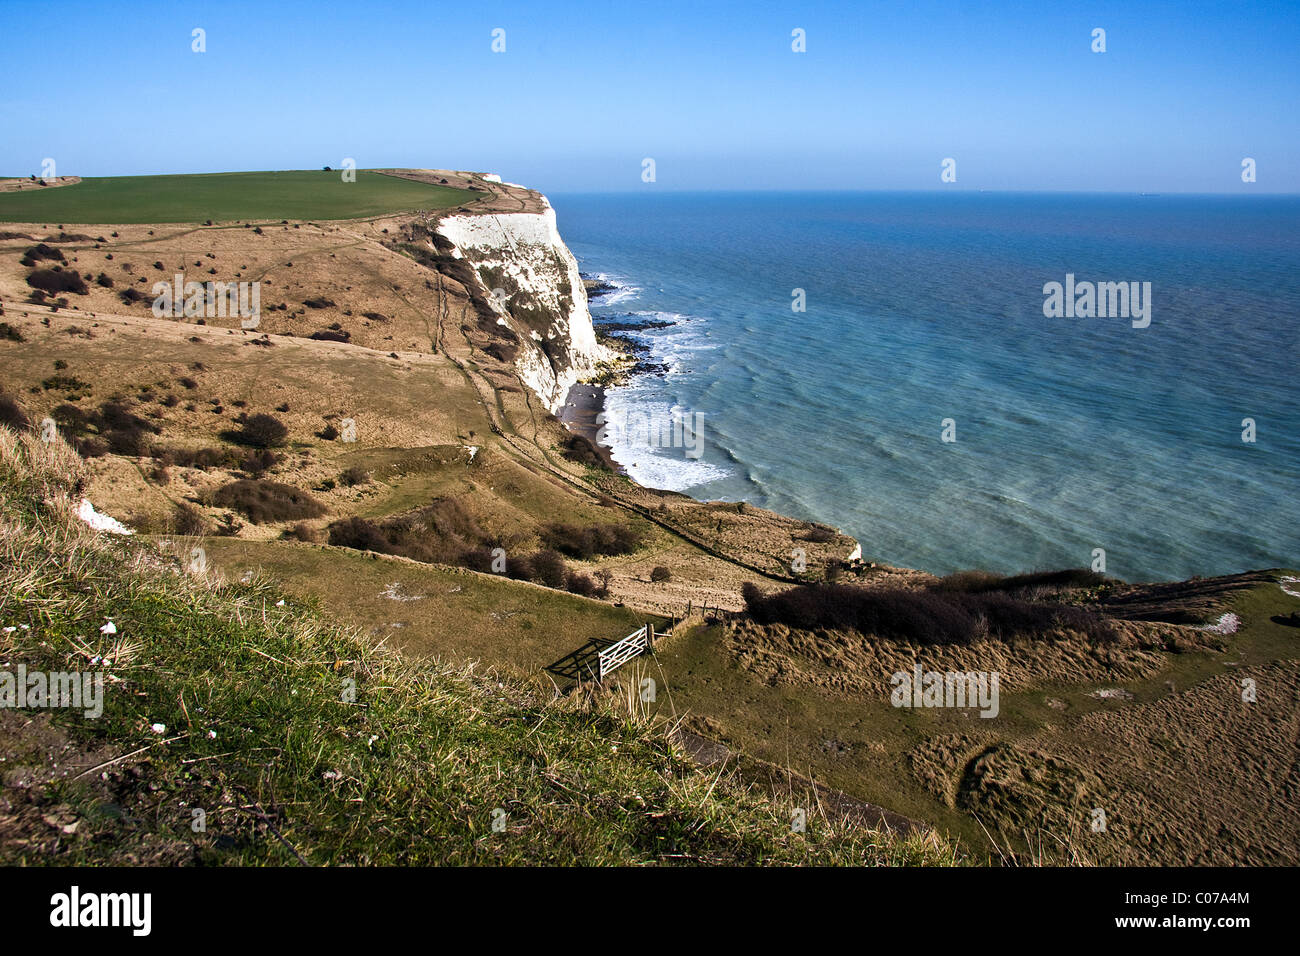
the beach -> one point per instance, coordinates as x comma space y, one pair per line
581, 413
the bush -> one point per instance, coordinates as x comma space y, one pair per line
442, 532
40, 253
504, 353
113, 428
520, 568
263, 431
549, 569
51, 281
65, 383
259, 462
579, 542
263, 501
305, 533
583, 451
661, 574
10, 334
201, 458
12, 414
923, 617
104, 281
320, 302
968, 582
578, 583
977, 582
328, 433
478, 559
356, 475
188, 520
332, 335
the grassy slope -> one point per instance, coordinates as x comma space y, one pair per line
259, 736
291, 194
447, 613
863, 745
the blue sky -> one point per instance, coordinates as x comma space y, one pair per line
711, 91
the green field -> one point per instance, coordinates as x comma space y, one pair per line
292, 194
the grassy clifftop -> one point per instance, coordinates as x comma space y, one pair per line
240, 728
293, 194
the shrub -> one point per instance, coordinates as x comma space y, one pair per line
41, 253
520, 568
10, 334
332, 335
188, 520
549, 569
305, 533
578, 583
579, 542
923, 617
263, 501
132, 295
577, 448
968, 581
478, 559
64, 383
12, 414
320, 302
263, 431
104, 281
356, 475
360, 534
328, 433
977, 582
661, 574
51, 281
258, 462
201, 458
504, 353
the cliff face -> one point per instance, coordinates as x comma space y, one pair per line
531, 280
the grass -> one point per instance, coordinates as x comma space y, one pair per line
303, 743
858, 742
224, 197
436, 612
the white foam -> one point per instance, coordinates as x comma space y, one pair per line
646, 461
622, 291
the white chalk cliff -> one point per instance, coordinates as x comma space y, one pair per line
532, 282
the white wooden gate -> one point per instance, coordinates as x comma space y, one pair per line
619, 653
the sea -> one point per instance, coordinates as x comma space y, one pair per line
893, 364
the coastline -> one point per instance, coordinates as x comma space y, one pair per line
584, 404
581, 414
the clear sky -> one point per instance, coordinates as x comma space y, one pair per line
584, 91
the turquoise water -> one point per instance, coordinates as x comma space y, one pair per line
1071, 433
